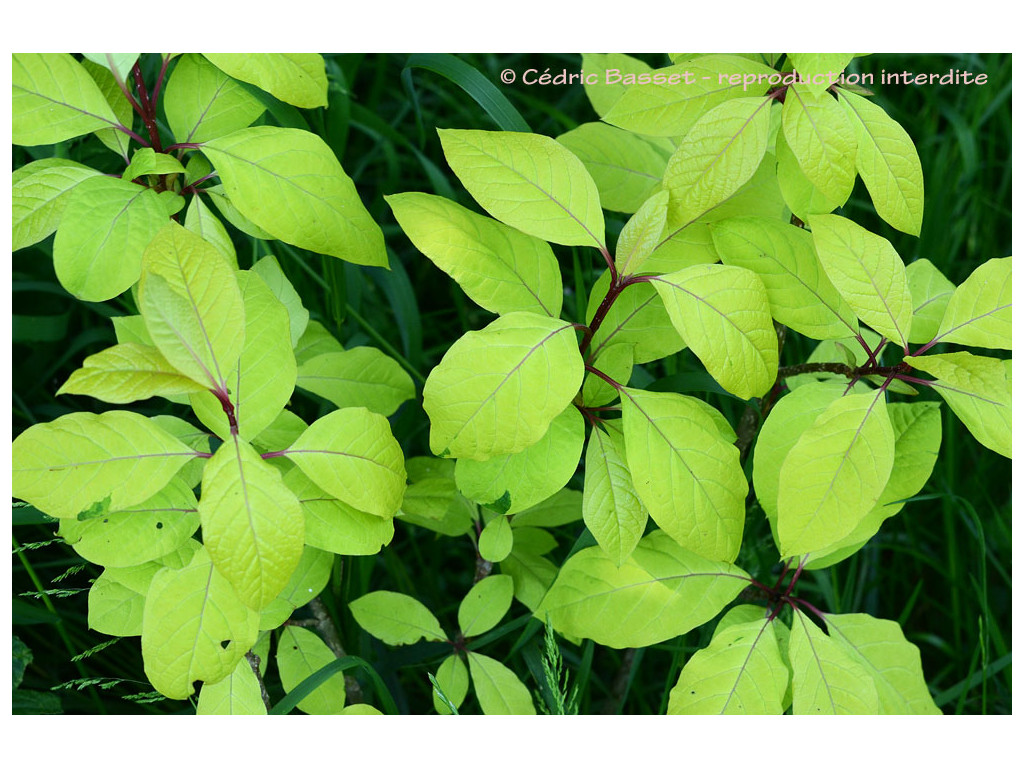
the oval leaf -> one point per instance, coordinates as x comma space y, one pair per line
485, 605
203, 103
395, 618
194, 627
500, 268
530, 476
528, 181
252, 523
54, 99
718, 155
497, 688
723, 315
687, 475
979, 313
662, 589
868, 273
835, 473
192, 306
361, 376
78, 459
497, 390
740, 673
298, 79
887, 160
351, 454
105, 228
612, 509
300, 653
289, 182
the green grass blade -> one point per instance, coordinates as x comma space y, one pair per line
469, 79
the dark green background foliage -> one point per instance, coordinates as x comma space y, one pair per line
941, 568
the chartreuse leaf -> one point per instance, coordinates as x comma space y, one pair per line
637, 318
453, 677
203, 103
128, 372
54, 99
868, 273
820, 70
117, 597
300, 653
147, 161
822, 139
641, 235
201, 220
119, 64
432, 500
670, 100
395, 618
531, 475
194, 627
39, 195
219, 197
529, 182
333, 525
105, 227
894, 663
262, 382
497, 390
142, 532
835, 473
192, 436
298, 79
978, 390
826, 679
802, 198
192, 306
717, 156
315, 340
63, 466
496, 539
978, 314
114, 609
783, 256
500, 268
497, 688
113, 139
237, 694
686, 474
361, 376
615, 362
564, 507
307, 581
485, 605
625, 167
660, 592
918, 431
532, 573
602, 91
740, 673
289, 183
298, 316
252, 524
723, 315
282, 432
352, 455
930, 291
887, 160
612, 508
